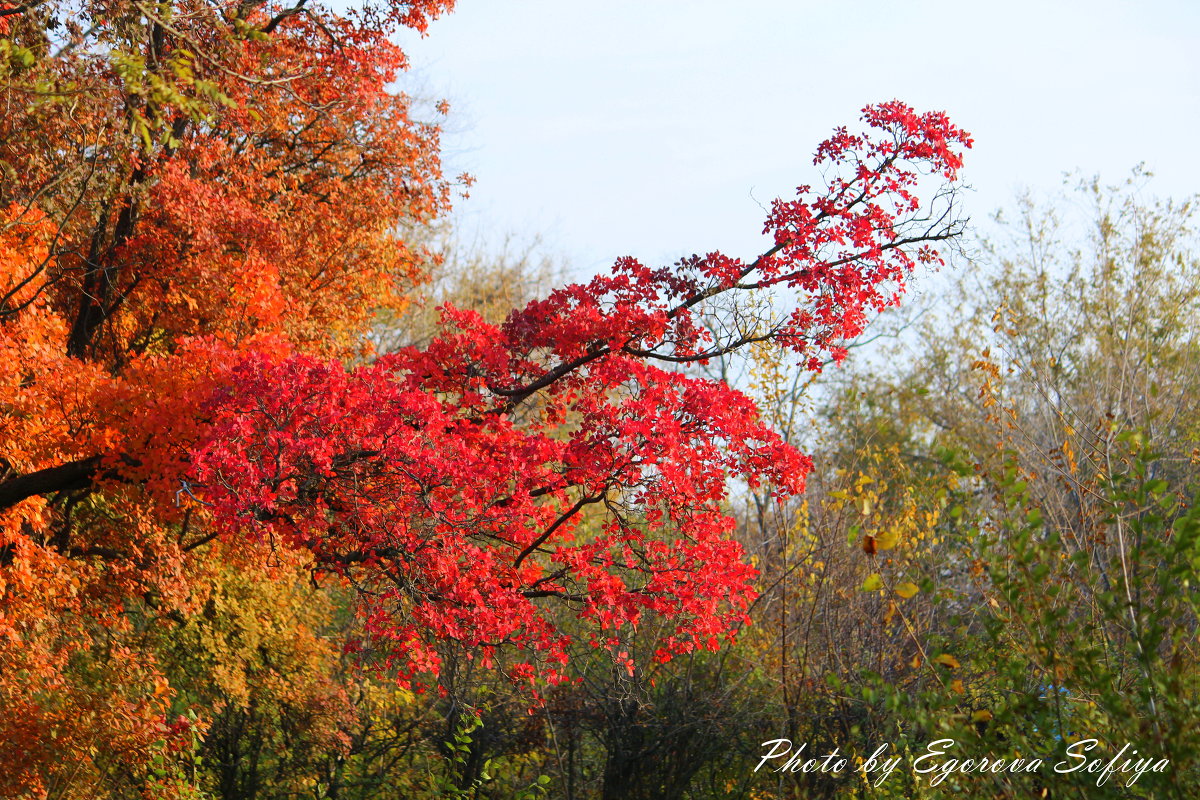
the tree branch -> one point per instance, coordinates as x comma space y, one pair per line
73, 475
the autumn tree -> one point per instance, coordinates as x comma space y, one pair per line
179, 182
201, 204
413, 477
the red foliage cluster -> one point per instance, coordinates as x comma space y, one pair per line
451, 483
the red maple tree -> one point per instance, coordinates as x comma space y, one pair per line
206, 217
450, 482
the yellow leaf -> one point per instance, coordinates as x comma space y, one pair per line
872, 582
907, 590
957, 687
948, 660
887, 540
983, 715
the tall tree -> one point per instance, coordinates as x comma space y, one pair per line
179, 182
200, 211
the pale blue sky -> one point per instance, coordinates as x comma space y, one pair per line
659, 128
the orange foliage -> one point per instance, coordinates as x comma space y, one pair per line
174, 190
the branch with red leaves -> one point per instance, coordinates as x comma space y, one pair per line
453, 484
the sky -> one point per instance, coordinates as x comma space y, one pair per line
662, 128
